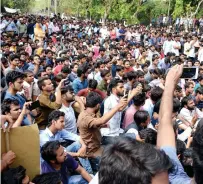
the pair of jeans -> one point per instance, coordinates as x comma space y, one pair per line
74, 147
76, 179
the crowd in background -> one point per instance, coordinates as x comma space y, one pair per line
107, 98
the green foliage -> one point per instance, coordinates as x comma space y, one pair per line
133, 11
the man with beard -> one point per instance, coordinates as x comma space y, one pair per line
116, 89
81, 81
189, 110
48, 101
69, 103
89, 124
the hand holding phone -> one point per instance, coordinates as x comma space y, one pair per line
190, 73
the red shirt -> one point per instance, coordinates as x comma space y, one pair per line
128, 70
57, 69
84, 92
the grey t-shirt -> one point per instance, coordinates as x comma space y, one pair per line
7, 70
178, 176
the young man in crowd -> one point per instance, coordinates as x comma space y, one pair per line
56, 159
81, 81
55, 131
48, 101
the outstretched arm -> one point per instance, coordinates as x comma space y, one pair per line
166, 134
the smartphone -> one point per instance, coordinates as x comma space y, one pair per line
34, 105
190, 73
66, 82
126, 93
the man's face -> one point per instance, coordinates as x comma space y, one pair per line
15, 62
191, 89
190, 105
201, 83
107, 77
178, 94
15, 111
18, 84
49, 55
127, 65
69, 96
121, 73
83, 60
155, 62
60, 123
120, 89
48, 86
200, 96
141, 79
75, 68
145, 69
48, 70
101, 67
37, 60
30, 78
22, 57
197, 64
60, 155
152, 48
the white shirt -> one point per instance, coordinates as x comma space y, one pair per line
115, 121
167, 46
70, 120
200, 55
176, 51
149, 107
188, 115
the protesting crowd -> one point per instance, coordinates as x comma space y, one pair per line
108, 99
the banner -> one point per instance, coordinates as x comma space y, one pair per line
24, 142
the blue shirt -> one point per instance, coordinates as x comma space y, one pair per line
21, 101
68, 165
178, 176
78, 85
46, 135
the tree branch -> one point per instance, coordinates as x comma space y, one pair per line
197, 9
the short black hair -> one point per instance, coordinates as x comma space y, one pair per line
67, 88
199, 90
66, 69
13, 76
6, 105
185, 100
40, 82
141, 116
93, 99
178, 88
131, 75
187, 85
156, 93
149, 135
104, 73
13, 175
82, 70
14, 56
54, 115
139, 100
92, 83
48, 150
113, 83
47, 178
119, 68
187, 162
127, 153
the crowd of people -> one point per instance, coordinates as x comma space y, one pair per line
108, 99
